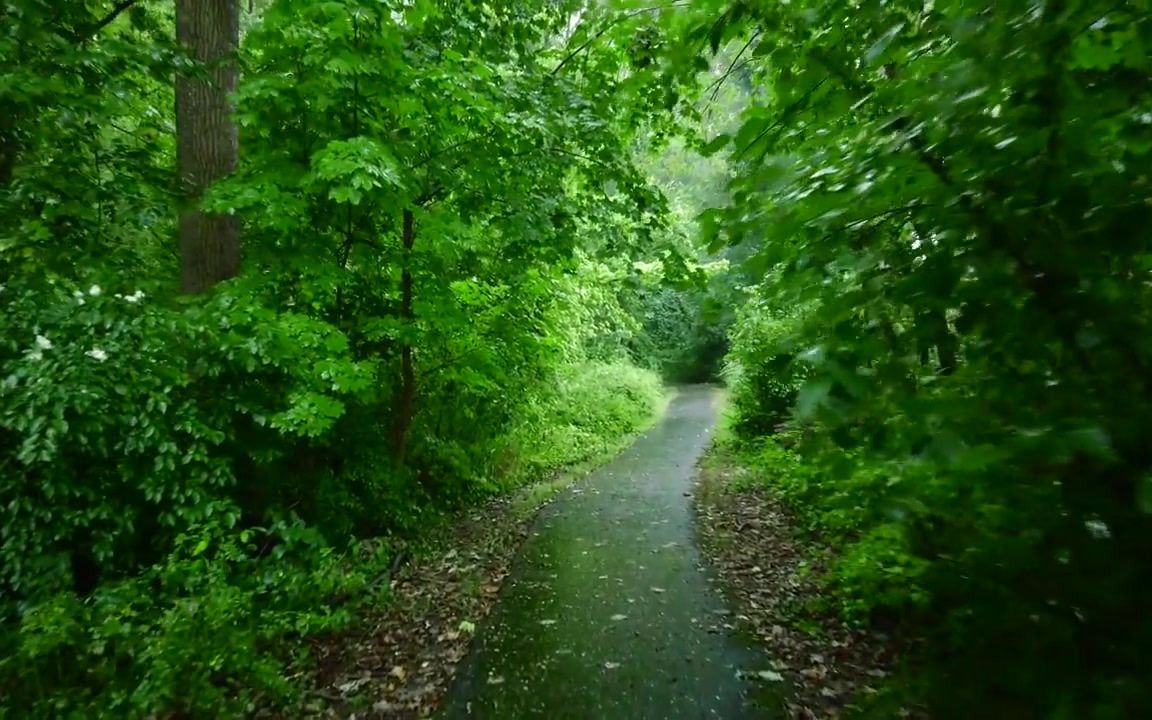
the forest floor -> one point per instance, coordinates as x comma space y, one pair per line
398, 660
768, 576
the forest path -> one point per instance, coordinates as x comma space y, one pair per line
608, 612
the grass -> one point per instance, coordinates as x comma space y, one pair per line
529, 499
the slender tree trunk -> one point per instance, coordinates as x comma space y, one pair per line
946, 348
207, 144
406, 406
8, 149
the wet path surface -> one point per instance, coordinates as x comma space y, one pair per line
608, 613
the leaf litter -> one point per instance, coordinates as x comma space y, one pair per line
751, 544
399, 659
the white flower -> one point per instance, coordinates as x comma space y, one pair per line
97, 354
35, 355
1097, 529
94, 290
134, 297
43, 343
79, 297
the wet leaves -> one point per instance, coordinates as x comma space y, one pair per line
400, 660
760, 675
748, 539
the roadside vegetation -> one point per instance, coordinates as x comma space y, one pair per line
382, 263
287, 285
939, 363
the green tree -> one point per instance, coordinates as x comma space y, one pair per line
953, 197
437, 199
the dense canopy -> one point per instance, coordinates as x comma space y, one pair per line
287, 283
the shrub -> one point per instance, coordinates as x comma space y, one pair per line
763, 369
130, 422
585, 413
209, 632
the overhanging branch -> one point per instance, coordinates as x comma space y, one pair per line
615, 21
88, 32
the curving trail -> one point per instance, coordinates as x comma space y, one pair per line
608, 613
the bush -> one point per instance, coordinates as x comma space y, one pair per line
586, 413
130, 423
873, 570
763, 369
209, 632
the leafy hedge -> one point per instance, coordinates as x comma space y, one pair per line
218, 628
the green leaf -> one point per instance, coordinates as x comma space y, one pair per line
812, 396
715, 145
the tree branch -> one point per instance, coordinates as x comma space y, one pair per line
615, 21
784, 117
890, 211
88, 32
720, 83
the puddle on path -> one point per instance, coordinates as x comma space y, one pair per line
608, 613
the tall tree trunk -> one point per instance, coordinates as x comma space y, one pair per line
207, 144
406, 407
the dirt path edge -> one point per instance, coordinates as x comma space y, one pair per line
765, 571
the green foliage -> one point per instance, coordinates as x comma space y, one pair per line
680, 325
944, 210
363, 379
117, 443
94, 101
205, 632
873, 571
763, 368
585, 412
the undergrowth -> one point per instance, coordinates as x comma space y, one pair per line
217, 628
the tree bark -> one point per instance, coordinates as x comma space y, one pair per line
207, 142
406, 407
